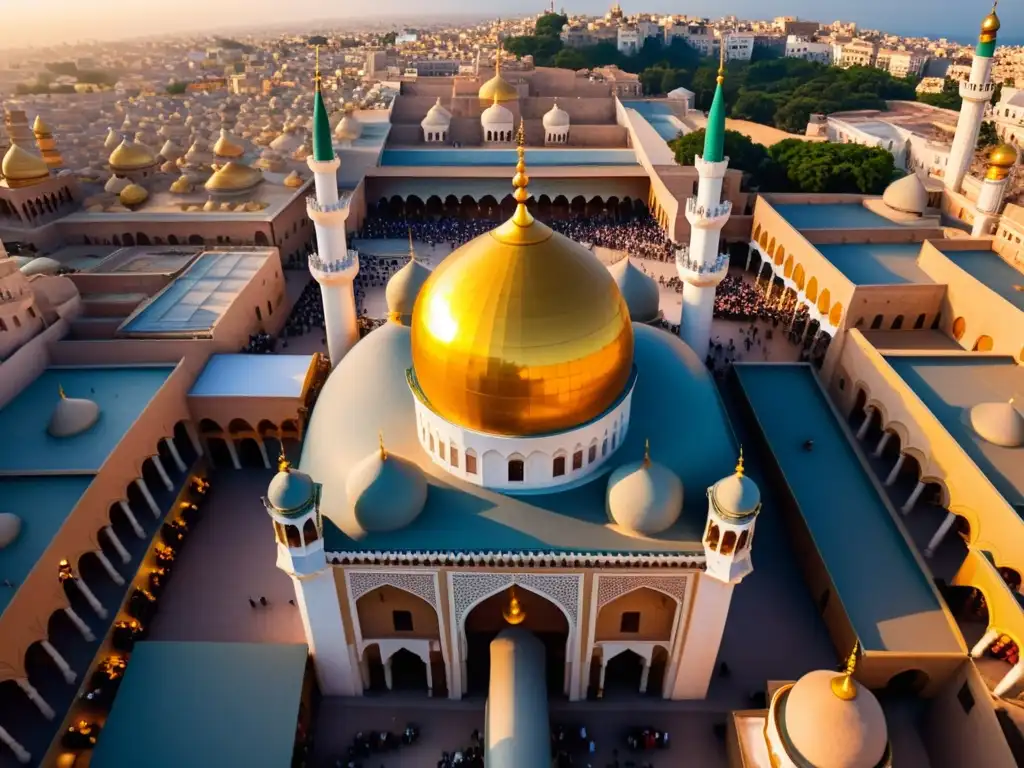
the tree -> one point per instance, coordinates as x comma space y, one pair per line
672, 79
947, 98
176, 89
743, 154
987, 136
837, 168
755, 106
570, 58
389, 38
550, 24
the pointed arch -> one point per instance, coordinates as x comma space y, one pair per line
799, 276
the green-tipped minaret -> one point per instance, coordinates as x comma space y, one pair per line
323, 150
714, 134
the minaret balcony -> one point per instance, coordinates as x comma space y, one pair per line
340, 270
711, 217
977, 91
700, 274
327, 215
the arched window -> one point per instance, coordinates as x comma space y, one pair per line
859, 323
577, 460
959, 328
937, 321
309, 532
604, 447
558, 466
744, 535
592, 454
279, 533
877, 322
470, 463
515, 470
292, 534
919, 323
431, 438
897, 322
453, 456
728, 543
441, 450
711, 539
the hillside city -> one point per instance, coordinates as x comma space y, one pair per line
622, 391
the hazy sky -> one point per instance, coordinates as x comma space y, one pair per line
41, 21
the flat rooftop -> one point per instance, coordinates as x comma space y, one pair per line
43, 504
880, 129
121, 392
145, 259
989, 269
660, 117
833, 216
507, 158
924, 340
949, 387
887, 597
205, 705
199, 297
876, 263
244, 375
83, 258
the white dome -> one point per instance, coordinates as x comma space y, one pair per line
115, 184
556, 117
998, 423
644, 497
402, 290
437, 116
10, 527
496, 115
290, 491
72, 416
826, 731
348, 129
736, 497
41, 265
387, 492
638, 289
906, 195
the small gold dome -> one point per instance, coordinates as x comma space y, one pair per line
990, 24
40, 128
1000, 161
182, 185
233, 177
130, 156
209, 205
226, 146
133, 195
293, 180
22, 168
497, 89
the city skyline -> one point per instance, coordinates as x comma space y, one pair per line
78, 23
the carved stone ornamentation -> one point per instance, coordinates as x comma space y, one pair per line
419, 584
472, 588
611, 587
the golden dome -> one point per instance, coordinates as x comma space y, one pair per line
990, 24
521, 331
226, 147
133, 195
21, 168
233, 177
497, 89
130, 156
182, 185
1000, 161
293, 180
40, 128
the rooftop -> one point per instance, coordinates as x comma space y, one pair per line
832, 216
949, 387
660, 117
253, 376
506, 158
122, 393
888, 598
989, 269
145, 259
876, 263
924, 340
205, 705
39, 521
198, 298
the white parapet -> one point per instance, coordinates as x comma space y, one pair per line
976, 91
338, 270
700, 273
707, 217
330, 214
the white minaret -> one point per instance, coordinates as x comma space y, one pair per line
293, 503
333, 266
733, 505
1001, 162
700, 266
976, 93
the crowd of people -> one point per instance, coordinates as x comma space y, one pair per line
261, 343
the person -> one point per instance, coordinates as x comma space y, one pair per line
808, 445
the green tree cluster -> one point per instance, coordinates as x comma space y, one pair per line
544, 44
176, 89
987, 136
744, 155
826, 167
947, 98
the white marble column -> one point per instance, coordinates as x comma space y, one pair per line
144, 490
118, 546
644, 675
1010, 680
387, 673
169, 442
22, 755
132, 520
863, 428
940, 534
36, 698
90, 598
164, 477
600, 677
430, 678
108, 566
60, 661
233, 451
895, 470
750, 254
881, 444
80, 625
263, 453
983, 644
914, 496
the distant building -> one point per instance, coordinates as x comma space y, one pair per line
857, 53
738, 46
790, 25
930, 85
798, 47
629, 40
901, 63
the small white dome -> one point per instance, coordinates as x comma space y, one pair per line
496, 115
41, 266
998, 423
638, 289
644, 497
402, 290
736, 497
437, 116
348, 129
72, 416
115, 184
290, 491
10, 527
906, 195
387, 492
556, 117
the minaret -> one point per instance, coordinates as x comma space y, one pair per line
976, 93
293, 503
47, 146
18, 132
733, 505
1001, 162
334, 266
701, 267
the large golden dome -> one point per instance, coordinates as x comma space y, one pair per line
521, 331
990, 24
130, 156
22, 168
233, 177
497, 89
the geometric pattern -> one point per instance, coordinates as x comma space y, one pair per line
470, 588
611, 587
420, 584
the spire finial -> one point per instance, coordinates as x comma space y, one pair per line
647, 452
497, 61
843, 685
412, 251
739, 464
522, 216
316, 75
60, 390
721, 62
383, 450
283, 465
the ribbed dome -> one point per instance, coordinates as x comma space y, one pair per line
907, 195
826, 731
349, 128
290, 492
130, 156
233, 177
386, 491
227, 147
999, 423
133, 195
644, 497
638, 289
402, 290
10, 527
22, 168
556, 117
496, 115
72, 416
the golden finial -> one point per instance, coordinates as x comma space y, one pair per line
739, 464
60, 391
843, 685
380, 442
514, 614
497, 61
283, 465
412, 251
522, 216
647, 452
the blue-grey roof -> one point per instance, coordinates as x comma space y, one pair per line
889, 600
506, 158
675, 405
43, 504
991, 271
387, 493
122, 393
516, 726
243, 375
832, 216
205, 705
877, 263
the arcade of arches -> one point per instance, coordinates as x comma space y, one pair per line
242, 445
490, 207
